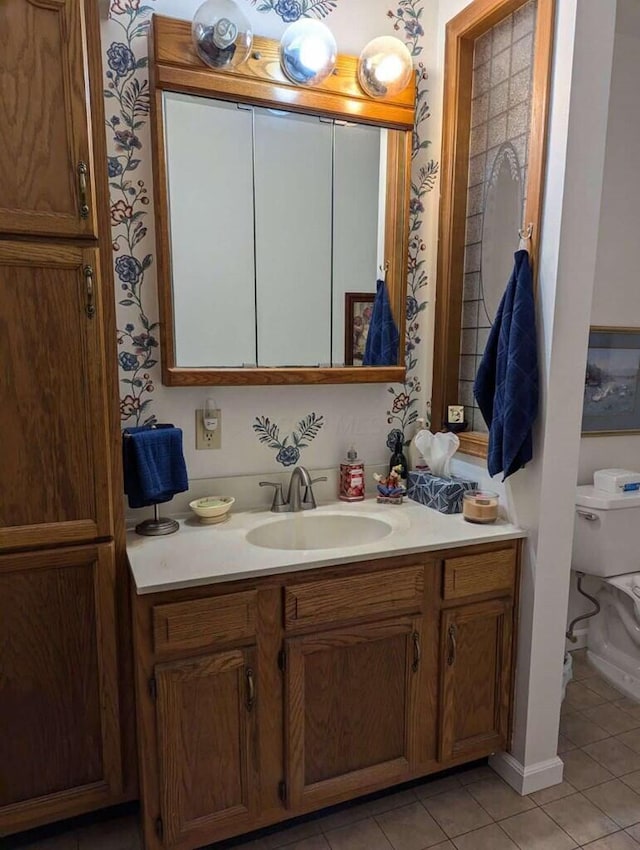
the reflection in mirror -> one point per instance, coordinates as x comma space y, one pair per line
502, 211
360, 167
269, 233
210, 227
292, 186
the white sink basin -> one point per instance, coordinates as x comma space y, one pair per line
319, 531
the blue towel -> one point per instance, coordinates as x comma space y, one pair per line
154, 467
506, 386
381, 348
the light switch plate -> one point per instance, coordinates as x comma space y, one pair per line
208, 439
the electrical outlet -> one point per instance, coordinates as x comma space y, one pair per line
208, 439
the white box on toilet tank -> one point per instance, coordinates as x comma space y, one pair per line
616, 480
606, 534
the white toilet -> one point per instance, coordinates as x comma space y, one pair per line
606, 544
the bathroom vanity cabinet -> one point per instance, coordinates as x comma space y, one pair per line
264, 699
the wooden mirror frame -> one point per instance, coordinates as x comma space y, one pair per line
461, 33
175, 66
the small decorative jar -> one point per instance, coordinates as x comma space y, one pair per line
480, 506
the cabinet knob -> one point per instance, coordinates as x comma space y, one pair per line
416, 652
251, 689
452, 634
82, 189
88, 277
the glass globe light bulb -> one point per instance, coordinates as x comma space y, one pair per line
308, 52
385, 67
221, 33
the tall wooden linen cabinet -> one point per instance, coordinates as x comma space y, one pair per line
65, 715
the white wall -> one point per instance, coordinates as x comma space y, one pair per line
616, 296
540, 497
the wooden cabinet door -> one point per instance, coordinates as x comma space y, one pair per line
207, 743
54, 447
59, 727
475, 679
351, 710
45, 131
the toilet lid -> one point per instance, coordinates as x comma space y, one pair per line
588, 497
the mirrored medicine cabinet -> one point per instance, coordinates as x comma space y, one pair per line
278, 208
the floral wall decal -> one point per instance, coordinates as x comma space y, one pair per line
404, 409
288, 452
293, 10
127, 109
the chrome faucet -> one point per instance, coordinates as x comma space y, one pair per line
296, 500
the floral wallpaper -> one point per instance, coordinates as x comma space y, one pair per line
127, 110
288, 452
292, 10
127, 113
404, 409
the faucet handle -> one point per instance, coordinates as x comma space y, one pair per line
308, 499
278, 499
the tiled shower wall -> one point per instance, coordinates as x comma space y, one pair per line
500, 114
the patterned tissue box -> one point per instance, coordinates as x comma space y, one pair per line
442, 494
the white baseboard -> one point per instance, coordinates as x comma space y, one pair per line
526, 780
581, 640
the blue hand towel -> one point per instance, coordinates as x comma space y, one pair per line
506, 386
154, 467
381, 348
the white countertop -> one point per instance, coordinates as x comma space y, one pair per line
207, 554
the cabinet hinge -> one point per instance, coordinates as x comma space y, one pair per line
282, 791
159, 828
282, 660
153, 689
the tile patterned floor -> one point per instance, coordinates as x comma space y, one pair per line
597, 807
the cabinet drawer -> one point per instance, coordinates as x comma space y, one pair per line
474, 574
335, 599
202, 622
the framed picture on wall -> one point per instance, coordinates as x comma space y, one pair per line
612, 382
358, 307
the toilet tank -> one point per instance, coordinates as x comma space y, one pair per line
606, 535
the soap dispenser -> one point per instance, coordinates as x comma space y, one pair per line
351, 478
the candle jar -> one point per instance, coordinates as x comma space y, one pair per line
480, 506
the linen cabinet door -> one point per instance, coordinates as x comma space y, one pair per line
60, 751
475, 679
46, 168
351, 710
54, 452
207, 746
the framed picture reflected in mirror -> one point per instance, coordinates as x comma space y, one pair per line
358, 307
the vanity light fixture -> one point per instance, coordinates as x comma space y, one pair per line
222, 35
385, 67
308, 52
